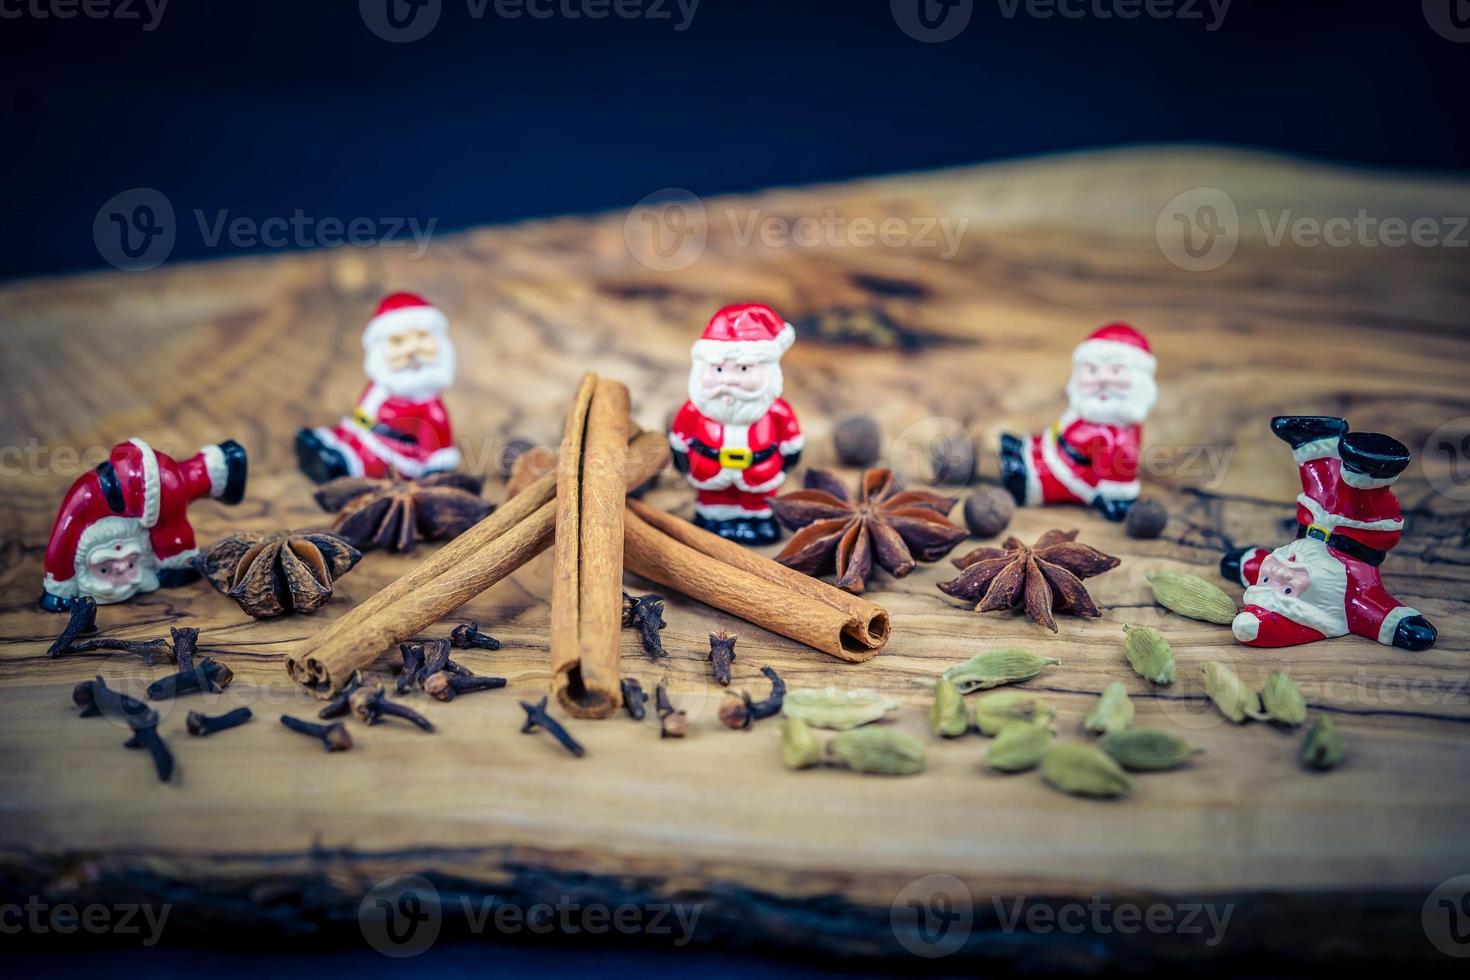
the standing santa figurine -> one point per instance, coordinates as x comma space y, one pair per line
1326, 582
735, 438
400, 426
1090, 455
124, 527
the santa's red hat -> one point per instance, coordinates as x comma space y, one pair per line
1116, 343
747, 333
404, 311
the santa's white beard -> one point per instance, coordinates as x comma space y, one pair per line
737, 407
414, 383
106, 592
1130, 408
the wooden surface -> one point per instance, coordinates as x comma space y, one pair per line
262, 831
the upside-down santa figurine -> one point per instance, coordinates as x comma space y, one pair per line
1326, 582
736, 437
124, 527
1090, 455
400, 426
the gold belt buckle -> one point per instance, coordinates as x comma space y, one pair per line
736, 459
1318, 531
361, 418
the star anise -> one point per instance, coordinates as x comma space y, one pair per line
1044, 577
897, 526
397, 514
272, 574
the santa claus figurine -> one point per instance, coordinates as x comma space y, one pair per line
1326, 582
1090, 456
400, 426
124, 527
735, 438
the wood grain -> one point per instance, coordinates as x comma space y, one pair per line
264, 834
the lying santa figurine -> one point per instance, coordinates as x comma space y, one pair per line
1090, 456
735, 438
124, 527
400, 426
1326, 582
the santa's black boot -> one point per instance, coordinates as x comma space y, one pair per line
1013, 466
1298, 430
317, 460
765, 529
1415, 633
54, 603
1113, 510
1372, 455
1231, 562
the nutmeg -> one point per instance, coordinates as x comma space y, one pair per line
988, 511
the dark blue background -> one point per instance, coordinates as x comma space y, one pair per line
262, 108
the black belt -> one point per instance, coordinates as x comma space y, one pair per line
111, 489
1076, 455
758, 456
1342, 543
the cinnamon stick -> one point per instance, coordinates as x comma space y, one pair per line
520, 529
676, 554
587, 575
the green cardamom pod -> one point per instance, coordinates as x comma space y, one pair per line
1019, 747
799, 746
883, 751
1149, 654
997, 667
1084, 770
948, 716
1282, 701
833, 707
1224, 686
1112, 713
1323, 747
1147, 749
1001, 709
1190, 595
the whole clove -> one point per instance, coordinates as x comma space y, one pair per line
672, 722
202, 725
341, 702
722, 655
467, 636
444, 686
371, 705
334, 737
420, 660
634, 699
82, 619
94, 697
645, 613
538, 717
186, 644
741, 713
413, 663
208, 676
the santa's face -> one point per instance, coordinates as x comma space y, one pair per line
413, 363
733, 392
1111, 392
116, 578
117, 572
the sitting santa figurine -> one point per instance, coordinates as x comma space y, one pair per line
1090, 456
400, 426
1326, 582
124, 527
735, 438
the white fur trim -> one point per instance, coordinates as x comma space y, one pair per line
744, 351
349, 454
61, 588
177, 561
373, 399
217, 468
1114, 352
769, 485
678, 442
1064, 473
110, 530
727, 512
410, 468
1033, 479
1362, 481
1245, 626
152, 486
720, 481
735, 437
795, 444
442, 459
1316, 449
385, 325
1391, 623
1256, 554
1119, 490
1334, 521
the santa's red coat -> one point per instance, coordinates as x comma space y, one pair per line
422, 440
766, 442
1109, 467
